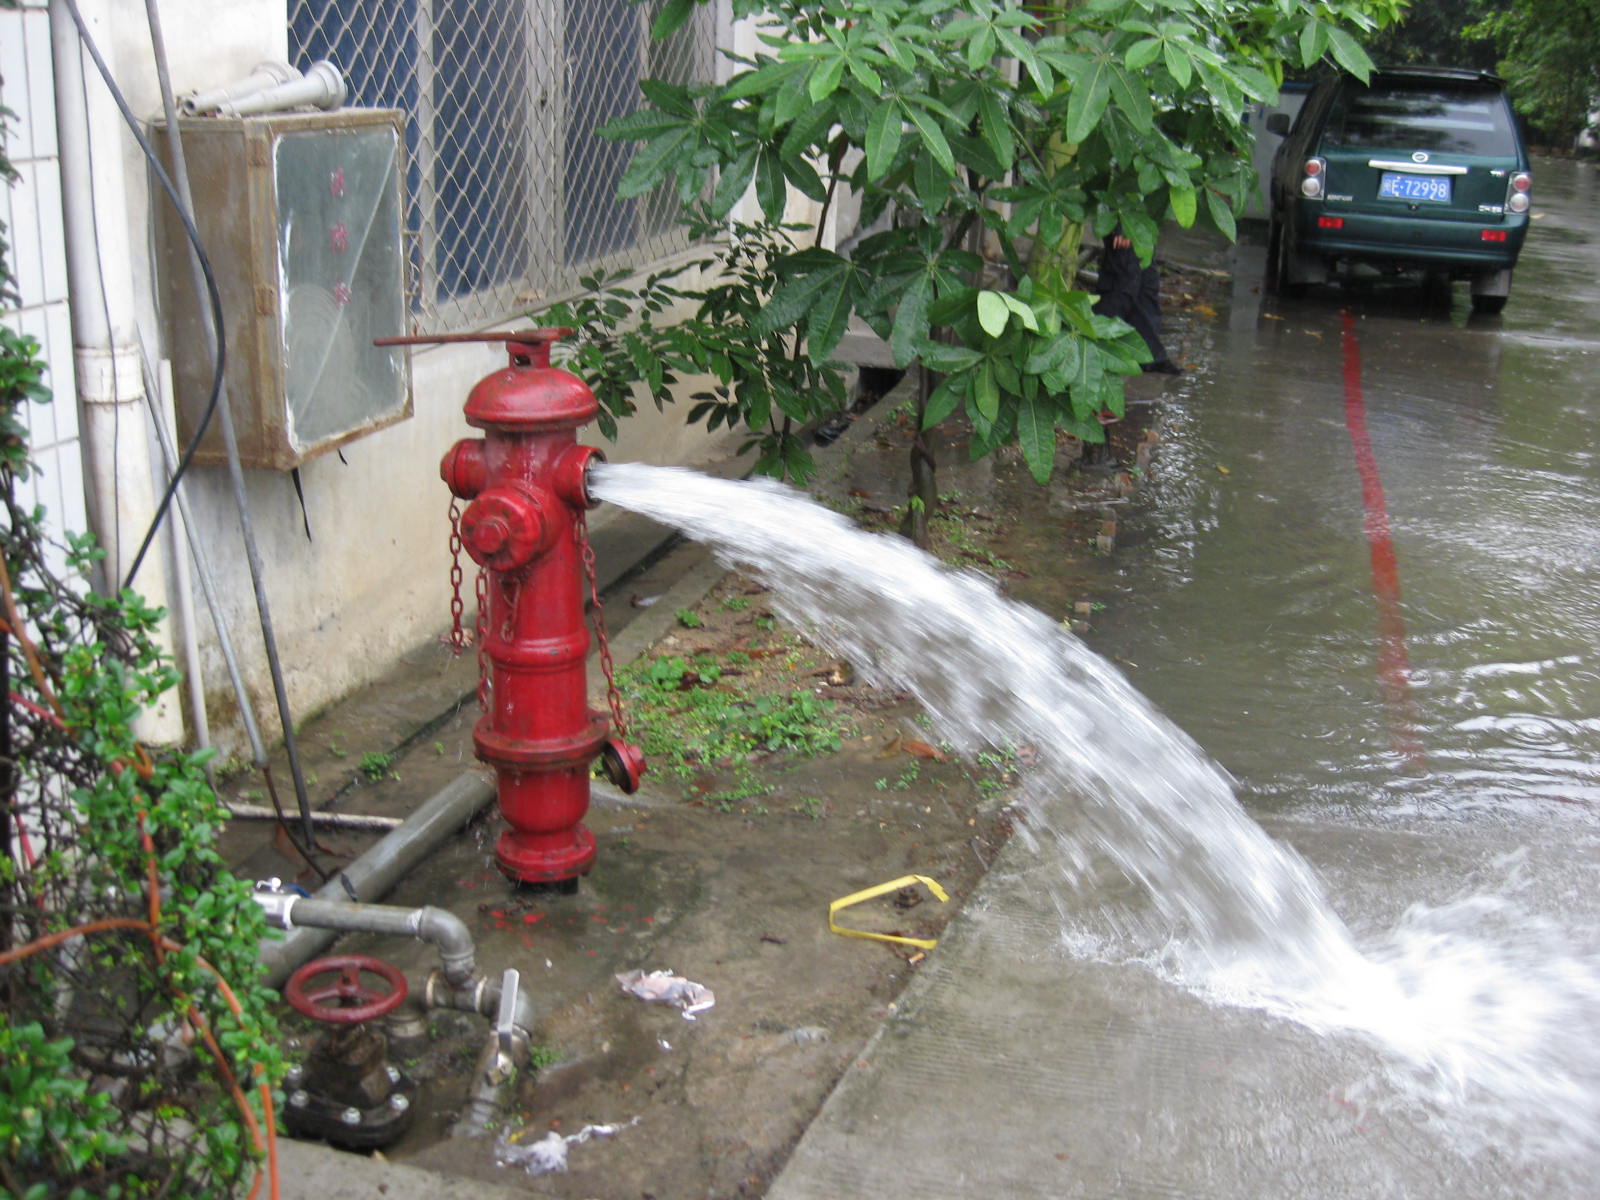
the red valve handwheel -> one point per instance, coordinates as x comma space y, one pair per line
344, 999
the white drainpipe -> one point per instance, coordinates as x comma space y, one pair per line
121, 487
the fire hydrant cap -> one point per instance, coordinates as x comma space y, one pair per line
531, 399
505, 528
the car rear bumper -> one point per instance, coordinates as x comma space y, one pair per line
1409, 241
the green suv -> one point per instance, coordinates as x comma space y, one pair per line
1421, 168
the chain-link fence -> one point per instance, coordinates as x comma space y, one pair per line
511, 192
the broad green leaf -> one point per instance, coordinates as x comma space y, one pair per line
980, 49
793, 98
883, 139
933, 138
986, 393
1178, 65
992, 313
831, 313
1022, 50
941, 356
996, 127
1036, 434
1091, 91
669, 96
1023, 310
770, 189
1132, 99
671, 18
1142, 232
825, 79
1142, 53
866, 76
654, 162
640, 125
911, 321
1349, 54
946, 398
793, 299
1222, 214
1182, 200
735, 179
797, 169
1313, 41
763, 80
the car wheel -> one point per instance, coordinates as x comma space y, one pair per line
1288, 286
1491, 290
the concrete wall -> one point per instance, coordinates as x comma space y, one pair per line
31, 212
371, 581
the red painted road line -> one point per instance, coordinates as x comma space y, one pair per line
1394, 664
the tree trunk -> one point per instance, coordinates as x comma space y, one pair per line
923, 493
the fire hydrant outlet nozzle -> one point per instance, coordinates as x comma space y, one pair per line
572, 476
463, 468
505, 528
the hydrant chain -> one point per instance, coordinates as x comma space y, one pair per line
458, 636
598, 611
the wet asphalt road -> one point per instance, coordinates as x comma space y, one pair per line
1366, 572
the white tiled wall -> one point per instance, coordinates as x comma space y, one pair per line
31, 210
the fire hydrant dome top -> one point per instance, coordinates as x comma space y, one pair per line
529, 395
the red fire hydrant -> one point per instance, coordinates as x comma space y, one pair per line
527, 486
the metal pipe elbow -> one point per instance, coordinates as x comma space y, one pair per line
450, 934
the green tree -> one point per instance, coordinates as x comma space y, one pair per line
139, 1047
1440, 33
940, 114
1550, 58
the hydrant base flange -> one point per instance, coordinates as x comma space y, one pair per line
542, 863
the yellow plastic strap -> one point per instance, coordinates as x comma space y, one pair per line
871, 893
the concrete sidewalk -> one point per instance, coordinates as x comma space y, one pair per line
1012, 1070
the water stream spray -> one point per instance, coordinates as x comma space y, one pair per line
1474, 1027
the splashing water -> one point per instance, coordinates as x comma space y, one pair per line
1474, 1024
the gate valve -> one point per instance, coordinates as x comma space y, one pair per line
332, 990
345, 1091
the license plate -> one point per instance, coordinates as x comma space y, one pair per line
1397, 185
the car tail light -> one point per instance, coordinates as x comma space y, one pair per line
1518, 195
1330, 222
1311, 184
1492, 235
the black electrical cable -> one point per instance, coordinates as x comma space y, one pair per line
213, 294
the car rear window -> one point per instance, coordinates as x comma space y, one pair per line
1433, 117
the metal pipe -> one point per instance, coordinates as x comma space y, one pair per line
322, 86
480, 995
208, 587
230, 440
267, 74
336, 820
459, 985
101, 299
438, 928
381, 867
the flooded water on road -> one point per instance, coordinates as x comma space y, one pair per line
1251, 602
